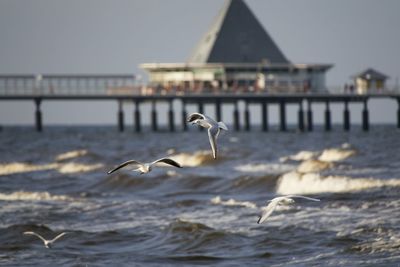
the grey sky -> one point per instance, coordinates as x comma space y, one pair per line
98, 36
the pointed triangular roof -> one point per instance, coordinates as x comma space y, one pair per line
371, 74
236, 36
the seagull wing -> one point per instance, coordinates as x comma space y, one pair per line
212, 135
298, 196
57, 237
168, 161
125, 164
35, 234
268, 210
195, 116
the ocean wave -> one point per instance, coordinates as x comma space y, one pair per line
33, 196
313, 183
231, 202
195, 159
271, 168
19, 167
71, 154
73, 167
300, 156
70, 167
313, 165
336, 154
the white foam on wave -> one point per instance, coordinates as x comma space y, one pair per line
70, 167
231, 202
33, 196
300, 156
20, 167
313, 165
195, 159
73, 167
71, 154
265, 168
313, 183
336, 154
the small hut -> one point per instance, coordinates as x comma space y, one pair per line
369, 81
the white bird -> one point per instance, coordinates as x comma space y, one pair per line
146, 167
47, 243
273, 203
213, 127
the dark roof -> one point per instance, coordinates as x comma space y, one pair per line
236, 36
371, 74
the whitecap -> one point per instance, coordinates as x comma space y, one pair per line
232, 202
336, 154
313, 183
33, 196
71, 154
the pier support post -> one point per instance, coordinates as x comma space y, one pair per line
218, 111
264, 116
38, 115
246, 117
282, 114
365, 117
236, 121
171, 117
328, 125
398, 113
201, 110
136, 115
153, 116
346, 116
301, 117
184, 115
309, 117
121, 125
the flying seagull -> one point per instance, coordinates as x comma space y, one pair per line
47, 243
146, 167
213, 127
273, 203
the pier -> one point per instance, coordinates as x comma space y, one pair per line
122, 88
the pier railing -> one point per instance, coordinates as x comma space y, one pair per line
130, 85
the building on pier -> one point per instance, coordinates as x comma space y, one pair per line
369, 81
237, 54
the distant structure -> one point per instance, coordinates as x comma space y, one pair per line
237, 55
369, 81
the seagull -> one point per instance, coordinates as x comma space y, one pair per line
273, 203
213, 127
47, 243
146, 167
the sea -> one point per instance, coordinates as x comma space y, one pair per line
204, 214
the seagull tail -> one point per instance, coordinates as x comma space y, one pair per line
222, 126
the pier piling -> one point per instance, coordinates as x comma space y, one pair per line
398, 113
365, 117
236, 121
264, 116
171, 117
38, 115
309, 117
246, 117
301, 117
201, 110
328, 125
282, 114
136, 115
346, 116
184, 115
121, 125
218, 111
154, 126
